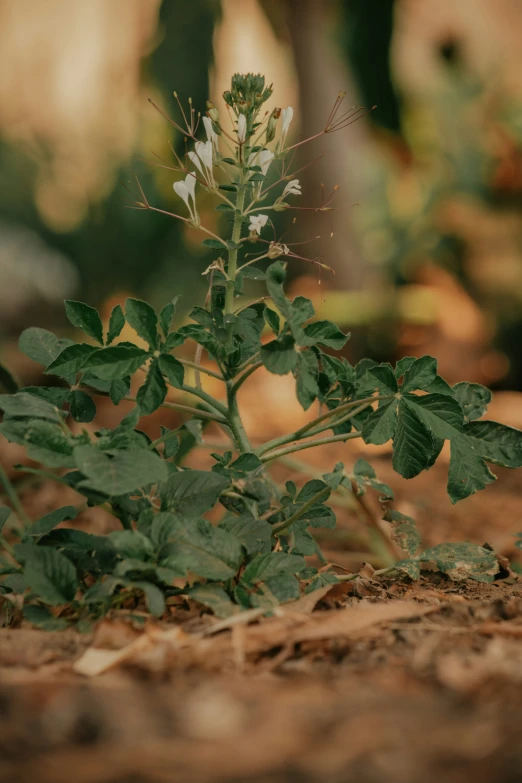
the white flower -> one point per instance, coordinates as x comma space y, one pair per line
186, 189
203, 159
211, 133
293, 188
263, 159
241, 128
257, 222
287, 115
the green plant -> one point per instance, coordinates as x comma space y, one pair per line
255, 555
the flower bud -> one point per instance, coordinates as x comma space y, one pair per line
280, 206
272, 125
212, 112
227, 97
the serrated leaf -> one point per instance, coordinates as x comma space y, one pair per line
380, 426
50, 575
71, 360
215, 597
152, 393
196, 546
412, 444
404, 531
278, 589
132, 544
441, 414
272, 319
214, 244
42, 346
419, 374
294, 315
116, 323
473, 399
402, 365
167, 314
45, 442
279, 356
254, 534
266, 566
82, 406
364, 476
143, 319
173, 369
378, 378
126, 471
116, 361
463, 561
468, 473
85, 318
252, 272
49, 521
192, 492
25, 405
326, 333
322, 579
119, 389
306, 375
497, 443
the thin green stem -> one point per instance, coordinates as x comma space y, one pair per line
13, 496
232, 253
287, 523
218, 406
309, 444
351, 577
305, 430
242, 378
200, 368
245, 364
196, 412
236, 425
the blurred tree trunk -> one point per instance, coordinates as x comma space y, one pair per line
322, 73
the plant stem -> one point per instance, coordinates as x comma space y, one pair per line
206, 398
310, 444
236, 425
13, 497
200, 368
240, 381
351, 577
304, 430
196, 412
287, 523
232, 253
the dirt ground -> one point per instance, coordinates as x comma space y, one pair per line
384, 681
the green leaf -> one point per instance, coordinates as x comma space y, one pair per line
119, 389
496, 442
116, 362
167, 314
8, 381
402, 365
51, 576
306, 375
468, 473
71, 360
294, 315
215, 244
272, 319
252, 272
380, 426
173, 369
379, 378
82, 406
85, 318
279, 356
196, 546
439, 413
41, 346
45, 442
25, 405
420, 374
116, 323
364, 476
48, 522
463, 561
126, 471
404, 531
266, 566
132, 544
154, 598
143, 319
254, 534
410, 567
473, 399
275, 590
213, 596
192, 492
322, 579
152, 393
326, 333
42, 618
412, 444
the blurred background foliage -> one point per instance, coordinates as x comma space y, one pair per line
426, 237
